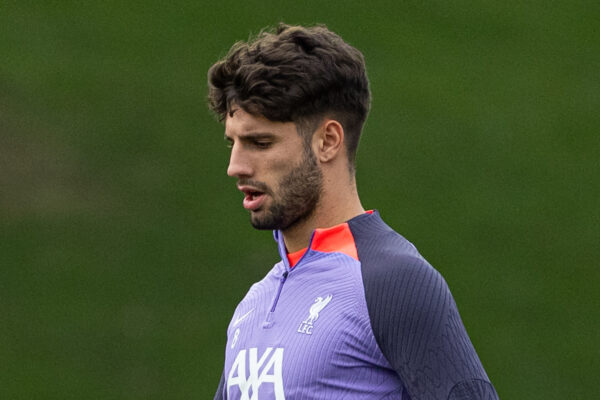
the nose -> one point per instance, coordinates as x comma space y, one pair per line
239, 163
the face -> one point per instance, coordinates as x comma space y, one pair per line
277, 172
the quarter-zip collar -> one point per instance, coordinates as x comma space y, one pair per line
337, 238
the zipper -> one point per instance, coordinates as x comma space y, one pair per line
269, 321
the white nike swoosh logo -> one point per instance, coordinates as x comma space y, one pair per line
243, 317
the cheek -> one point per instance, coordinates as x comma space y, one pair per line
276, 168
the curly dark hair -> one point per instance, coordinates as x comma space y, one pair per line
295, 74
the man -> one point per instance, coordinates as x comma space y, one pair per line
352, 310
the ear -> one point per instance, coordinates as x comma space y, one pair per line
328, 141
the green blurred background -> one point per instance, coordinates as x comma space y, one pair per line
123, 244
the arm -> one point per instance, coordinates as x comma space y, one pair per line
417, 326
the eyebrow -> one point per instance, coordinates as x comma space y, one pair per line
252, 136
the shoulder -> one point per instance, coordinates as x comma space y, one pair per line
394, 271
393, 260
407, 299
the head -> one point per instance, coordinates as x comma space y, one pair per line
295, 74
273, 93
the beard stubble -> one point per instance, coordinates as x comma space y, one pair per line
298, 196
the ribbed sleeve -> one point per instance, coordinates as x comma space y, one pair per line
415, 319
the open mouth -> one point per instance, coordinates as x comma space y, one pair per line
253, 199
254, 194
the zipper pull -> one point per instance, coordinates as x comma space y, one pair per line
269, 320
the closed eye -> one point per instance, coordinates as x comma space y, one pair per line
260, 141
262, 144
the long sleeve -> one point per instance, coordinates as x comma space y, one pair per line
417, 326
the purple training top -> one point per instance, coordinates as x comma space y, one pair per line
360, 316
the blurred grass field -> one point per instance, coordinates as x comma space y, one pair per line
124, 247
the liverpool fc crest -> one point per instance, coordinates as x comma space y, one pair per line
306, 326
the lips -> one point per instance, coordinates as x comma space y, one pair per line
253, 198
253, 201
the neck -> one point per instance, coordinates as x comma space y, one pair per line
337, 205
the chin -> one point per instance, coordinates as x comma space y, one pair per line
262, 225
262, 222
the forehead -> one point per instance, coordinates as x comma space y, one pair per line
240, 123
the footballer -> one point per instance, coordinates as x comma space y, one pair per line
352, 310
